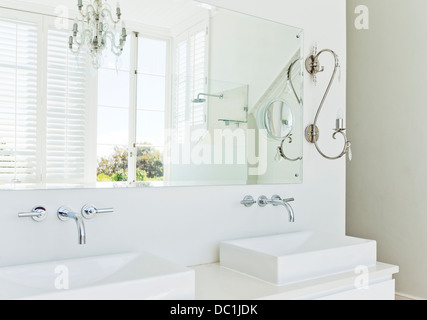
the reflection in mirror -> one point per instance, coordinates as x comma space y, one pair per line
278, 120
180, 107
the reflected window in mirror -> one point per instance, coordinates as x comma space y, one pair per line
131, 114
43, 134
113, 118
18, 108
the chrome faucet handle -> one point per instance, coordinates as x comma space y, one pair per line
90, 211
38, 214
263, 201
248, 201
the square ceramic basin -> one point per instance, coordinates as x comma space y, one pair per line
133, 276
296, 257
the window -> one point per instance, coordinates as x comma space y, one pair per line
132, 114
113, 135
151, 109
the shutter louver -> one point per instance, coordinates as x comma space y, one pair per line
198, 72
181, 92
66, 112
18, 101
190, 72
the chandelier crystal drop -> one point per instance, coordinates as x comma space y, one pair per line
97, 30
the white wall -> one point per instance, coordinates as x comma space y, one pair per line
186, 224
387, 113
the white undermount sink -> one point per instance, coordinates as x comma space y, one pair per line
133, 276
296, 257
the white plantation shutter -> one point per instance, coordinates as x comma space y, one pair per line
197, 48
66, 111
42, 104
190, 79
181, 101
18, 101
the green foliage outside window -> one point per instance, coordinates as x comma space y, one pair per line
149, 165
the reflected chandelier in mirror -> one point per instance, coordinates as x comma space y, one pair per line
97, 30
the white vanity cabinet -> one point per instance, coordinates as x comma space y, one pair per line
214, 282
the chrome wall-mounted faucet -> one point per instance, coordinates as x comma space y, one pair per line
275, 200
39, 214
65, 214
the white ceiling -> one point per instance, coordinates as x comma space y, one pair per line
162, 13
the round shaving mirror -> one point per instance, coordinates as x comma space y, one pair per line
278, 120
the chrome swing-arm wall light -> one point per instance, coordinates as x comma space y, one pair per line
312, 132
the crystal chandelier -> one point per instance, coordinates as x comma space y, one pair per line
97, 30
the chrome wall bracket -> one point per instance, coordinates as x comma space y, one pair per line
312, 65
312, 133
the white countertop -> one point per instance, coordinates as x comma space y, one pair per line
214, 282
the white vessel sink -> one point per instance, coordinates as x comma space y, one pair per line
295, 257
132, 276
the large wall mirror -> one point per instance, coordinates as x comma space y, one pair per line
200, 96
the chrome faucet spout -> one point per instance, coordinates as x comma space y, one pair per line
278, 201
65, 214
291, 211
81, 229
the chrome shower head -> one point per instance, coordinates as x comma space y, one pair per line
200, 100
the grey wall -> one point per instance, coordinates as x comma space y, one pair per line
387, 112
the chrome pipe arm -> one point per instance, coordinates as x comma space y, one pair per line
291, 82
346, 150
281, 150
